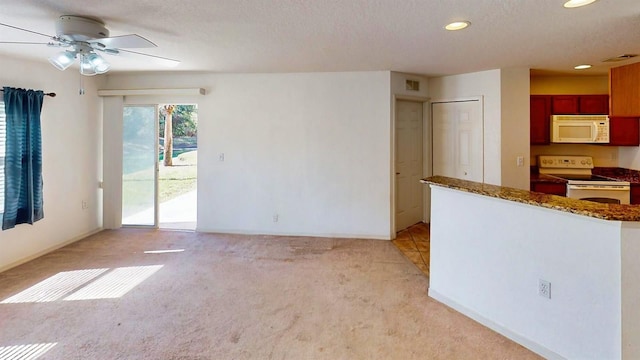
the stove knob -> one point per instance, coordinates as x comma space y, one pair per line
573, 162
583, 162
588, 162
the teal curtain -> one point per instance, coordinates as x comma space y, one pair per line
23, 158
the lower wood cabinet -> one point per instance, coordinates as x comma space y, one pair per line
550, 188
635, 194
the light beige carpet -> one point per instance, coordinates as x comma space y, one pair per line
210, 296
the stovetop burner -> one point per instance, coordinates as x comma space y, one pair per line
584, 177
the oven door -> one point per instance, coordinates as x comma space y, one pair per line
614, 194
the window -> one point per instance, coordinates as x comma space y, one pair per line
3, 136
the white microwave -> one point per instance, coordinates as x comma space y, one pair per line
583, 129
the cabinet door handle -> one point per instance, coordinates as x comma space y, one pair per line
397, 173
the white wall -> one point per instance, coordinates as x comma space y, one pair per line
515, 113
491, 273
71, 141
398, 86
313, 148
630, 249
505, 135
629, 157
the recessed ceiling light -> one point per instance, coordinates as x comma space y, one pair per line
577, 3
582, 67
457, 25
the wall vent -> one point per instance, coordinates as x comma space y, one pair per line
620, 58
412, 85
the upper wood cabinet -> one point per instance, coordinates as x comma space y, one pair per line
540, 119
579, 104
593, 104
624, 131
624, 89
543, 106
564, 104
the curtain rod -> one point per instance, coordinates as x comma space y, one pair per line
47, 94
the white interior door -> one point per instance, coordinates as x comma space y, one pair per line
458, 149
408, 164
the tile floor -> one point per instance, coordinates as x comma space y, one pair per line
414, 244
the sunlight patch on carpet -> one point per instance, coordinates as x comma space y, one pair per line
115, 283
163, 251
55, 287
25, 352
89, 284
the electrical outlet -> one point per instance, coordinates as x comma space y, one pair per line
275, 217
520, 161
221, 156
544, 288
85, 206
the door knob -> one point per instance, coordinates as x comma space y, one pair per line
397, 173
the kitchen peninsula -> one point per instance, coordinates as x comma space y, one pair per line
492, 247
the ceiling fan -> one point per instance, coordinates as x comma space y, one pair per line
85, 39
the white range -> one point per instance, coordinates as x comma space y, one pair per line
581, 183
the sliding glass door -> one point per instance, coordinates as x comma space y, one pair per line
140, 165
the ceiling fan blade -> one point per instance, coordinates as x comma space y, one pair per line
124, 41
21, 29
159, 59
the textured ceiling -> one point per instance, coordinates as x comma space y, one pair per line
346, 35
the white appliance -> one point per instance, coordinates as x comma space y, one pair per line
581, 183
584, 129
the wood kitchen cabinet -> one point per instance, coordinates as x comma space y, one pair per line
624, 89
624, 131
635, 194
564, 104
593, 104
543, 106
579, 104
550, 188
540, 119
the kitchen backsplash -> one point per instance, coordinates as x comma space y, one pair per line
603, 156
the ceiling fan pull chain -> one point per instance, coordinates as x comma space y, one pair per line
81, 90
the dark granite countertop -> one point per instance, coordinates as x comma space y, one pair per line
615, 212
542, 178
632, 176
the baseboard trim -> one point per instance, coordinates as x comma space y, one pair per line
529, 344
267, 233
48, 250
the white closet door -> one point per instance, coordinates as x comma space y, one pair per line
458, 149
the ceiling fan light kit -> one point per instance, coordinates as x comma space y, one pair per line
63, 60
93, 64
